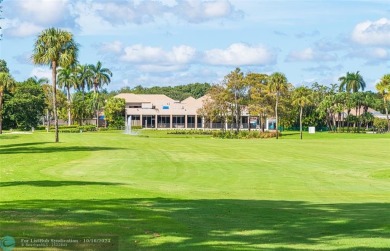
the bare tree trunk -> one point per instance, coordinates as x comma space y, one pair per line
48, 120
54, 80
388, 120
276, 116
300, 121
96, 105
387, 115
1, 113
260, 123
237, 113
69, 115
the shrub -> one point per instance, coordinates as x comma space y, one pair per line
191, 132
244, 135
380, 124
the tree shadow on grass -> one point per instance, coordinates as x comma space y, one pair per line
51, 183
34, 148
23, 145
215, 224
8, 136
289, 134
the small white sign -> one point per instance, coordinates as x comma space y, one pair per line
312, 129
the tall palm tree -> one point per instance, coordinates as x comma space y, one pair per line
352, 82
301, 97
83, 77
383, 88
277, 84
67, 80
100, 76
6, 83
56, 48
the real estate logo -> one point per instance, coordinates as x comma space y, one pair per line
7, 243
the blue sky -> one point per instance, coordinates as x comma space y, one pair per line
172, 42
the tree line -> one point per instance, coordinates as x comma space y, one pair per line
272, 96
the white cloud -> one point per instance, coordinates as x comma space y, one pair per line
372, 32
115, 47
92, 15
44, 12
309, 54
17, 28
370, 55
122, 12
41, 72
199, 11
239, 54
148, 55
380, 53
28, 17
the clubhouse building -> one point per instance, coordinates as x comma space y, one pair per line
161, 112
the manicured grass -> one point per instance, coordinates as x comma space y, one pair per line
179, 192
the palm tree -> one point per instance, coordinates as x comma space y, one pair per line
67, 80
383, 88
56, 48
352, 82
6, 83
100, 76
277, 84
83, 77
301, 97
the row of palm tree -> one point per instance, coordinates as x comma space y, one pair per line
83, 77
58, 49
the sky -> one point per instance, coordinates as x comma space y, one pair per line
175, 42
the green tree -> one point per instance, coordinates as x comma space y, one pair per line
6, 83
56, 48
60, 100
383, 88
67, 80
380, 124
277, 84
3, 66
302, 97
84, 79
259, 99
100, 76
235, 85
114, 112
27, 104
82, 106
352, 82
